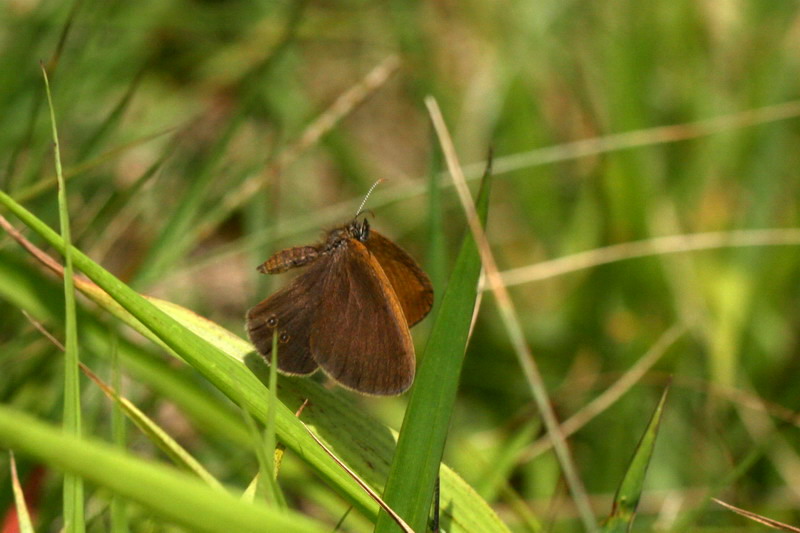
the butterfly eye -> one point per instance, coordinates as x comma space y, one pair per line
284, 338
272, 321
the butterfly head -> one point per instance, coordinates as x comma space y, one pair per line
359, 231
338, 237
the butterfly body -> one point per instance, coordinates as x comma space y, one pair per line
349, 313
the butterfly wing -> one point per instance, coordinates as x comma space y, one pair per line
411, 285
360, 336
291, 310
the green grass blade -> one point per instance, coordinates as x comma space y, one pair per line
630, 490
258, 488
23, 516
270, 440
266, 483
73, 485
119, 435
437, 245
29, 290
415, 466
166, 491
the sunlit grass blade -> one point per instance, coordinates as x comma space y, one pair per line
436, 265
170, 493
415, 466
157, 436
513, 326
73, 485
23, 516
630, 490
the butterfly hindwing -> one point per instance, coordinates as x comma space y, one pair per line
291, 310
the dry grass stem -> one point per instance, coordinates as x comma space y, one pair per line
656, 246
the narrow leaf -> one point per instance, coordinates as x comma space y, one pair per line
630, 490
73, 486
416, 463
23, 516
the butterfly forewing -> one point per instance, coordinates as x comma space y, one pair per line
359, 335
291, 310
411, 285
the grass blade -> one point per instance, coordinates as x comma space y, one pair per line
119, 435
512, 324
168, 492
73, 485
23, 516
270, 441
630, 490
266, 483
415, 466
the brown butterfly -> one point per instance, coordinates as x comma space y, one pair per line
348, 314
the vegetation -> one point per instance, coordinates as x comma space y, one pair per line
642, 211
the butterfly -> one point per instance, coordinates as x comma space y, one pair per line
348, 314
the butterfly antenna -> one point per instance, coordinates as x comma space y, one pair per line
367, 196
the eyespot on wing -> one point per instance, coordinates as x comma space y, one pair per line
291, 311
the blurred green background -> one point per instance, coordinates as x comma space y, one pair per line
199, 137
